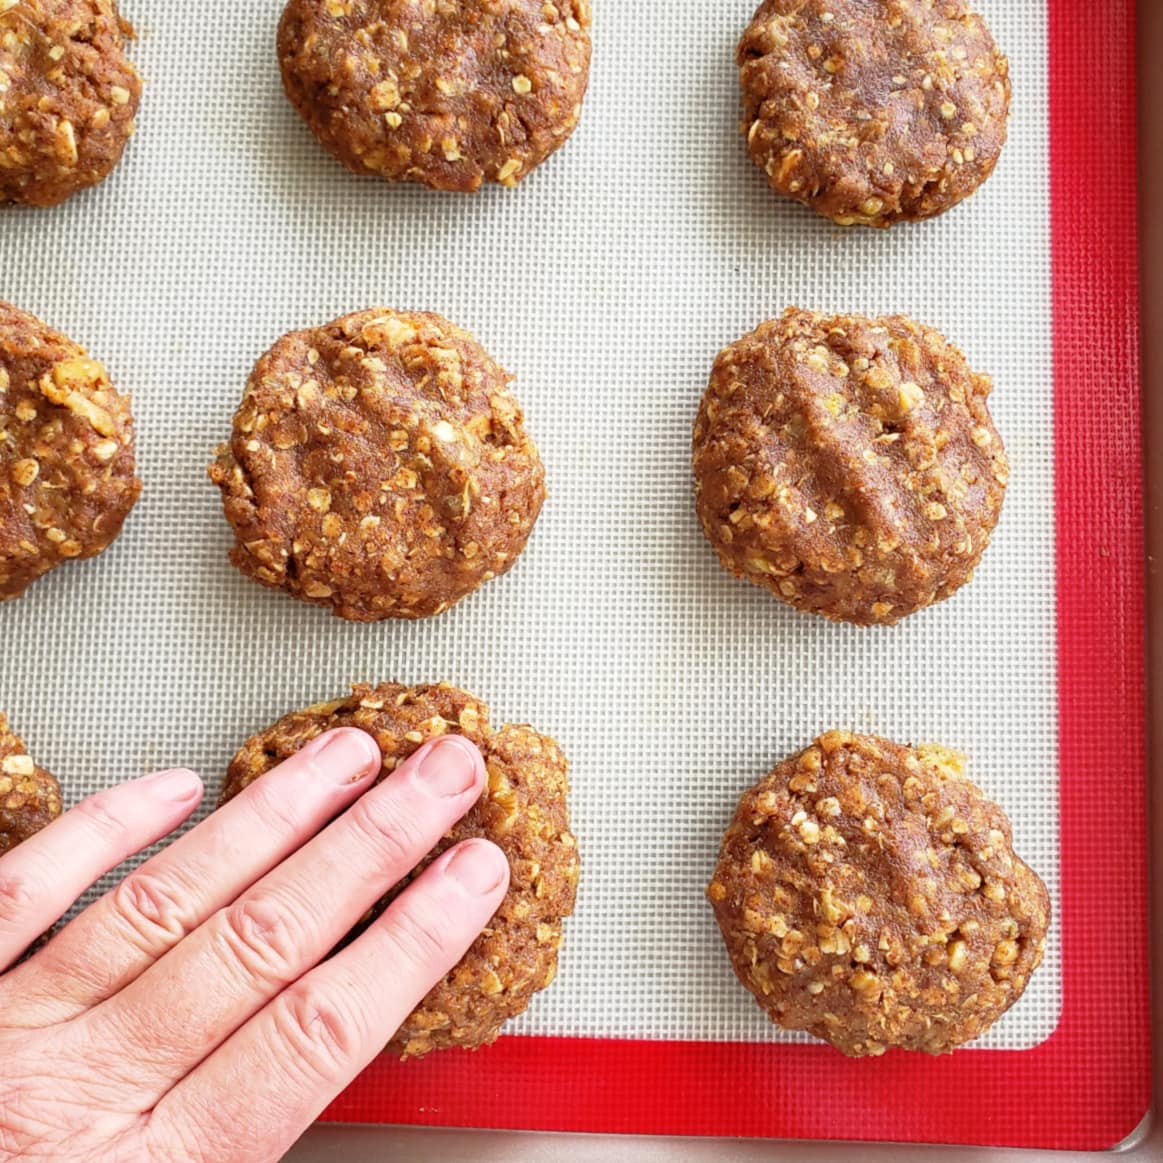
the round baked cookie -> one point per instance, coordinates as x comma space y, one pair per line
523, 810
869, 894
68, 97
451, 93
66, 453
849, 465
30, 797
379, 465
873, 111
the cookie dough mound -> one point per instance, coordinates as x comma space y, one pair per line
379, 465
30, 798
449, 94
849, 465
873, 112
68, 97
870, 895
523, 810
66, 453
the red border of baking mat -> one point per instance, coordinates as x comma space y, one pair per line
1088, 1086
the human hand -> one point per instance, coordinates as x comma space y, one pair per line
186, 1015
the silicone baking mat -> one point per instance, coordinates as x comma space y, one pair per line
607, 283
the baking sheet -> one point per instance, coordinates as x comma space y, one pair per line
607, 283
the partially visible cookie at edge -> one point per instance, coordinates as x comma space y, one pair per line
379, 466
873, 112
869, 894
68, 97
848, 465
67, 458
30, 798
523, 810
448, 95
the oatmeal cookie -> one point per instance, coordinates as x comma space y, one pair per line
869, 894
449, 93
523, 810
66, 453
29, 797
873, 111
849, 465
379, 466
68, 97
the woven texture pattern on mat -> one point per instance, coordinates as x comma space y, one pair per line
607, 283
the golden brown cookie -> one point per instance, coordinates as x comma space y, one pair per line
379, 466
67, 478
523, 810
68, 97
30, 797
849, 465
869, 894
451, 93
873, 111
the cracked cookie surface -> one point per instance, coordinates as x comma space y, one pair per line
30, 797
67, 459
849, 465
68, 97
869, 894
448, 93
523, 810
873, 111
379, 466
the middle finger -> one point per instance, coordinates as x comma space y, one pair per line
182, 1009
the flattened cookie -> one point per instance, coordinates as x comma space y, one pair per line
379, 466
523, 810
873, 111
869, 894
30, 797
849, 465
67, 478
68, 97
449, 93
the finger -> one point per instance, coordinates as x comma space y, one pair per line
112, 943
275, 1075
41, 878
182, 1008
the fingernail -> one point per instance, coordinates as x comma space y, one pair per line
177, 785
449, 767
478, 867
348, 755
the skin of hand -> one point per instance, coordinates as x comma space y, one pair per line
192, 1013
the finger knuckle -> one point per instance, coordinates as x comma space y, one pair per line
275, 809
320, 1029
100, 812
18, 897
262, 934
417, 933
392, 834
152, 909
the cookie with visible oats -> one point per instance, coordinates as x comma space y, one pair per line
523, 810
68, 97
30, 797
449, 93
379, 466
869, 894
873, 111
849, 465
67, 478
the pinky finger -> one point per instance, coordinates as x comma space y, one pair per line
41, 878
315, 1037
